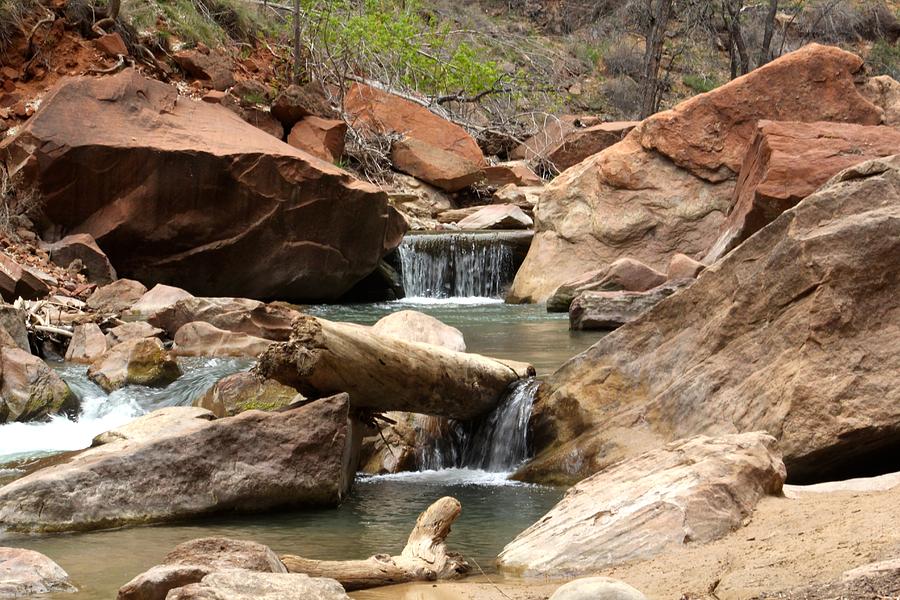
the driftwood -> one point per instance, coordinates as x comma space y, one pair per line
384, 373
425, 557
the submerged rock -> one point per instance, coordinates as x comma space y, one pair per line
26, 573
687, 492
31, 390
141, 361
252, 462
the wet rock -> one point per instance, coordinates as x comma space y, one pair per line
83, 247
439, 167
160, 297
12, 320
516, 173
252, 462
243, 391
683, 267
236, 585
597, 588
804, 300
31, 390
414, 326
688, 492
267, 321
210, 67
20, 281
135, 330
87, 344
26, 573
312, 229
299, 101
323, 138
142, 361
161, 422
116, 297
191, 561
609, 310
497, 216
625, 274
202, 339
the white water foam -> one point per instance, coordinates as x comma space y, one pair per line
451, 476
455, 301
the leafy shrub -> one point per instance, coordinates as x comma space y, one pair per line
700, 83
12, 15
884, 59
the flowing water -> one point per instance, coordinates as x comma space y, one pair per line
381, 511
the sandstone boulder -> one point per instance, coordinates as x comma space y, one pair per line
191, 561
688, 492
781, 335
252, 462
87, 344
161, 422
29, 389
83, 247
382, 112
419, 202
668, 185
238, 585
111, 45
515, 172
581, 143
280, 224
134, 330
267, 321
551, 135
141, 361
26, 573
323, 138
525, 197
625, 274
207, 66
884, 92
683, 267
160, 297
12, 320
597, 588
244, 391
299, 101
788, 161
497, 216
20, 281
116, 297
432, 164
413, 326
609, 310
457, 214
202, 339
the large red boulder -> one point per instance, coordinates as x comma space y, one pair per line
188, 194
787, 162
323, 138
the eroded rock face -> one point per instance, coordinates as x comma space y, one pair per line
138, 361
281, 223
244, 391
26, 573
782, 335
691, 491
202, 339
30, 389
237, 585
252, 462
668, 185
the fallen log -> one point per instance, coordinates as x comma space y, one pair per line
384, 373
425, 557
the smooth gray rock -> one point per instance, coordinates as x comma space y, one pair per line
597, 588
246, 585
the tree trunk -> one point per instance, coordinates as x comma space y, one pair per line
765, 50
657, 14
425, 557
737, 37
297, 41
384, 373
114, 7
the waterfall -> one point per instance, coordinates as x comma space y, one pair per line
455, 265
497, 443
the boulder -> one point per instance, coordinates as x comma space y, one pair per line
12, 320
210, 67
413, 326
20, 281
31, 390
525, 197
323, 138
609, 310
455, 215
163, 421
432, 164
87, 344
625, 274
116, 297
788, 161
160, 297
251, 462
83, 247
874, 580
312, 230
191, 561
583, 142
112, 45
382, 112
419, 202
299, 101
26, 573
668, 186
497, 216
516, 173
781, 335
259, 118
683, 267
241, 585
267, 321
688, 492
202, 339
134, 330
552, 133
141, 361
884, 92
244, 391
597, 588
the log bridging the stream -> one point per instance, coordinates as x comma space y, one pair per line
384, 373
425, 557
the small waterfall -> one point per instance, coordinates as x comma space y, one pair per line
455, 265
498, 443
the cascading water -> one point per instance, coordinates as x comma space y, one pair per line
455, 265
